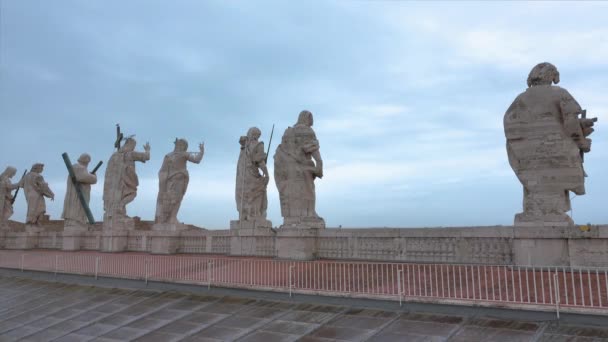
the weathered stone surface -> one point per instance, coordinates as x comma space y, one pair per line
173, 181
251, 183
120, 185
297, 243
546, 141
73, 212
6, 195
297, 163
36, 189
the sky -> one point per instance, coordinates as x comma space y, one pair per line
408, 98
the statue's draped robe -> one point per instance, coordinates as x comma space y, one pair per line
173, 179
539, 127
121, 181
6, 197
250, 193
72, 208
35, 189
294, 172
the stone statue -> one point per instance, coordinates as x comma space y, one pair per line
73, 213
546, 142
6, 194
297, 162
36, 189
120, 184
251, 182
173, 181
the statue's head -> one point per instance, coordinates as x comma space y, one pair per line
181, 145
129, 145
254, 133
543, 74
9, 172
84, 159
38, 167
305, 118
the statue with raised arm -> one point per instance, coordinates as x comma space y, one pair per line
36, 189
546, 142
297, 162
120, 184
251, 182
173, 181
6, 194
73, 211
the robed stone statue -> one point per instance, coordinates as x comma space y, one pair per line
36, 189
251, 182
173, 179
120, 184
6, 194
73, 212
297, 163
546, 143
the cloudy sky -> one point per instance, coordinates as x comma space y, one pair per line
408, 97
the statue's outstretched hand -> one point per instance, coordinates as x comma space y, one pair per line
201, 147
147, 147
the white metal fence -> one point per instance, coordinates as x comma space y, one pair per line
538, 288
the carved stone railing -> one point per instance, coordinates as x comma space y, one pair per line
498, 245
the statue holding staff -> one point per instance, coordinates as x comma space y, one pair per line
6, 193
36, 189
120, 183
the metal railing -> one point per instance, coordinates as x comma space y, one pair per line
570, 289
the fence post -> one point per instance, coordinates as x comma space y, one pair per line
22, 261
146, 270
96, 267
56, 263
557, 299
290, 279
399, 272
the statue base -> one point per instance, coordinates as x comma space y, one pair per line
32, 229
164, 243
303, 222
26, 240
169, 227
551, 220
250, 224
248, 239
297, 243
114, 241
118, 224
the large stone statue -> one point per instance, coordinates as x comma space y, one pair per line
73, 212
6, 194
173, 181
297, 162
546, 142
251, 182
36, 189
120, 185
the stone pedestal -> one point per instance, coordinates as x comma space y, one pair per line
118, 224
169, 227
114, 241
73, 234
164, 242
297, 243
26, 240
252, 241
262, 223
303, 223
32, 229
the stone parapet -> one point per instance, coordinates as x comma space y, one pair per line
585, 245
